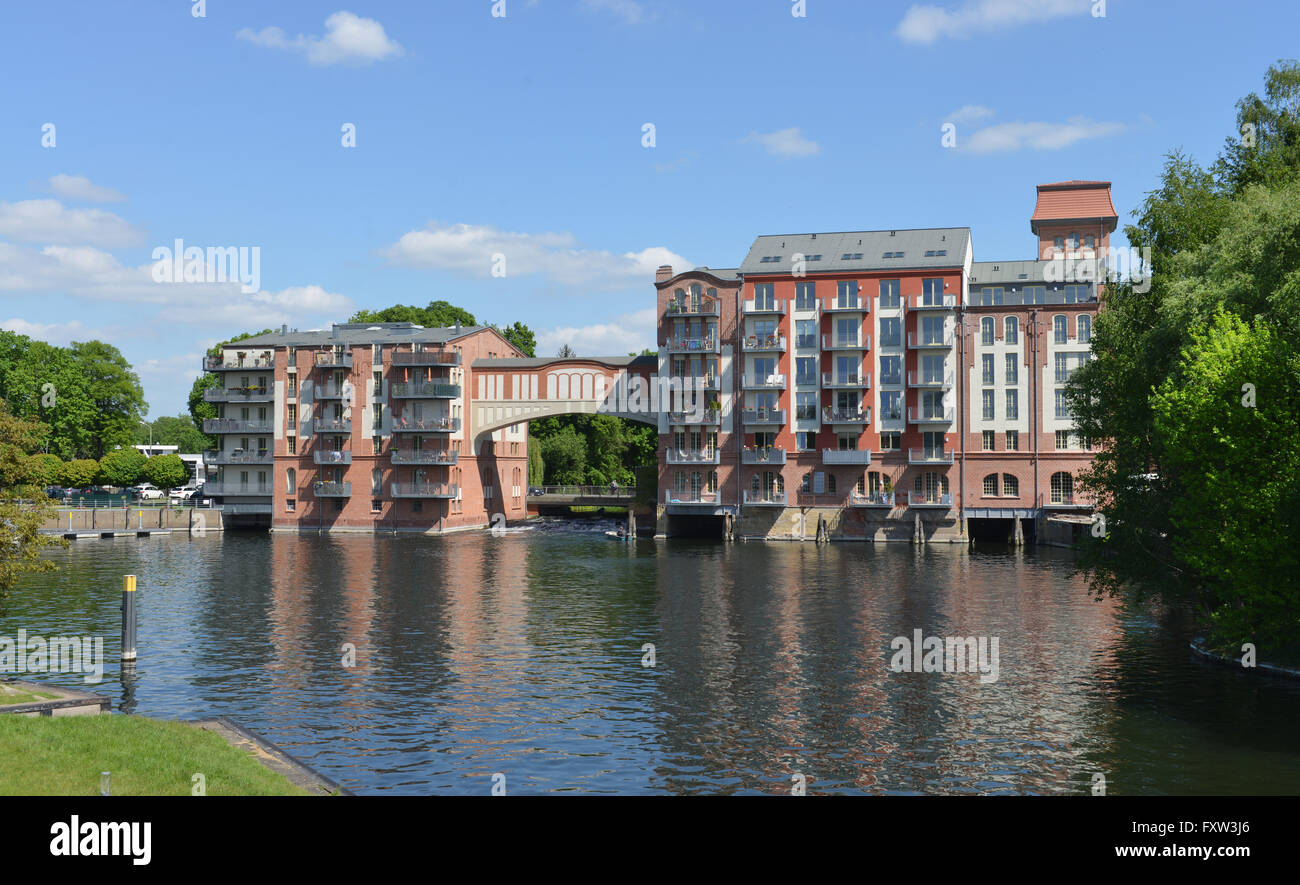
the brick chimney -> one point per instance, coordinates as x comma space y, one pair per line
665, 272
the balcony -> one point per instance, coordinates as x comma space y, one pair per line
932, 302
833, 415
435, 457
762, 416
894, 379
769, 498
693, 345
848, 305
331, 456
895, 414
704, 416
238, 395
333, 360
770, 455
929, 499
923, 342
430, 424
871, 499
930, 416
1063, 501
805, 341
239, 456
231, 489
689, 497
832, 381
423, 390
846, 456
928, 381
846, 342
331, 489
704, 307
765, 343
235, 425
928, 456
771, 306
694, 456
425, 358
701, 382
330, 390
762, 382
230, 363
423, 490
332, 425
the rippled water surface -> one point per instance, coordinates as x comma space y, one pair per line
524, 654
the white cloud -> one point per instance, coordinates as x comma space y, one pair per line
1040, 136
468, 250
53, 333
79, 187
349, 39
629, 333
927, 24
632, 12
969, 114
784, 143
49, 221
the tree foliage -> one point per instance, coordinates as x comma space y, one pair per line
121, 468
166, 471
79, 473
521, 337
436, 315
24, 509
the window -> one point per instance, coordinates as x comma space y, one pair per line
891, 405
991, 485
986, 362
986, 331
891, 370
1059, 244
290, 504
988, 404
931, 291
1089, 241
992, 295
379, 415
1084, 323
1062, 440
763, 296
805, 406
1077, 294
932, 330
805, 441
1013, 440
292, 442
846, 293
291, 481
805, 333
376, 505
805, 370
1010, 485
1035, 294
1012, 368
374, 444
891, 442
1062, 488
1062, 407
1011, 332
830, 483
1013, 405
1074, 239
1058, 329
891, 332
988, 440
889, 290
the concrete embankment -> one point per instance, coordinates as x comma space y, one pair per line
111, 522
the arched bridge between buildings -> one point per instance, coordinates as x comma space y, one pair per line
509, 391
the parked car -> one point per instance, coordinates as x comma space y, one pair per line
147, 491
185, 493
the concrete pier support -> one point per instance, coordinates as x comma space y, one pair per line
918, 535
1019, 537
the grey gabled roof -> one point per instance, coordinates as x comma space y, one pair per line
987, 273
870, 244
358, 333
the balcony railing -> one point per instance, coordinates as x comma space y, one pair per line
805, 341
928, 456
423, 390
930, 416
872, 499
768, 455
846, 456
235, 425
331, 456
332, 425
330, 390
701, 382
423, 490
832, 415
213, 489
765, 343
761, 498
772, 306
687, 496
238, 394
1063, 500
402, 424
921, 342
833, 380
928, 499
932, 302
846, 342
894, 414
935, 382
693, 345
763, 416
704, 416
425, 358
333, 360
238, 456
705, 307
438, 457
234, 363
763, 382
332, 489
848, 305
693, 456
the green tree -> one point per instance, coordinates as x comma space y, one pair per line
565, 456
1266, 146
566, 352
166, 471
521, 337
115, 391
536, 465
44, 469
23, 511
178, 430
78, 474
121, 467
438, 314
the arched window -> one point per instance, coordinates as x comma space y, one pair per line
1058, 328
1010, 485
830, 483
1085, 327
291, 481
1062, 488
991, 485
1011, 334
986, 331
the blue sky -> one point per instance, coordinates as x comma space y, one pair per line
523, 136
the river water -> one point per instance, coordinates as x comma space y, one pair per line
525, 656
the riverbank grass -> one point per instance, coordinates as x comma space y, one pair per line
63, 756
12, 695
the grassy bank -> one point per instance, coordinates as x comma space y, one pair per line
63, 756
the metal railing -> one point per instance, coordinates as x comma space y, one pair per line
332, 489
332, 360
423, 390
846, 456
694, 456
832, 415
687, 496
765, 498
222, 364
846, 342
763, 416
772, 305
693, 345
872, 499
929, 499
402, 424
835, 379
772, 455
584, 491
330, 390
423, 490
761, 343
929, 456
235, 425
763, 382
915, 342
211, 489
930, 416
331, 425
238, 456
705, 308
852, 305
932, 302
922, 379
238, 394
332, 456
425, 358
440, 457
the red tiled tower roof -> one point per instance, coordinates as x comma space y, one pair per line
1074, 201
